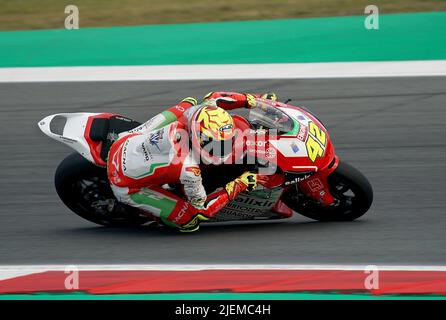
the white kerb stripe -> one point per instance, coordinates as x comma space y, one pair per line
12, 271
228, 71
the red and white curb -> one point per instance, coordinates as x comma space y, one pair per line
124, 279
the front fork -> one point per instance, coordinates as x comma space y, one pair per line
317, 188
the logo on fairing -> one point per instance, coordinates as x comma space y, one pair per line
303, 132
112, 136
294, 147
154, 138
315, 185
297, 179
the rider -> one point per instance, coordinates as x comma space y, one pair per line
144, 161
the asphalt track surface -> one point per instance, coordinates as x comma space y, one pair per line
392, 129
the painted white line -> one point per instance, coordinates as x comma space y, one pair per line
305, 167
12, 271
228, 71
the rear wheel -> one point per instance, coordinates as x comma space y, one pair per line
84, 188
352, 192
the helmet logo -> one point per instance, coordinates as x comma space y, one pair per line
226, 127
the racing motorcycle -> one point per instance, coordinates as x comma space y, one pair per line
309, 177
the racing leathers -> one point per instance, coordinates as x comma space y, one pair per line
145, 161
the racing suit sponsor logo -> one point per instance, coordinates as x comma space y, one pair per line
147, 156
195, 170
179, 108
115, 159
124, 155
181, 213
142, 127
155, 137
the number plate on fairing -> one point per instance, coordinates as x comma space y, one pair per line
251, 206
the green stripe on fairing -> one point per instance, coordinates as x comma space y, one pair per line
162, 202
217, 296
415, 36
295, 130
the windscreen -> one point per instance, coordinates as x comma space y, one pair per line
265, 116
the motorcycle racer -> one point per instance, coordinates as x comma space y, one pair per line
163, 151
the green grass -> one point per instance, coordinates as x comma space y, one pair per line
49, 14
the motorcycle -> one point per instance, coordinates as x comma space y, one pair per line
308, 177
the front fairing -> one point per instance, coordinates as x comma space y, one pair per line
304, 147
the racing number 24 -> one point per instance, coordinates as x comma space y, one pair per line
316, 142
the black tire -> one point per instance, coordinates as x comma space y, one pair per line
84, 188
351, 189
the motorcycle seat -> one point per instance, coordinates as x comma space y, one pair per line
107, 130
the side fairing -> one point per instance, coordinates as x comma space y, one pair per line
307, 147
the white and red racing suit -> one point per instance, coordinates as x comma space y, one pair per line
146, 159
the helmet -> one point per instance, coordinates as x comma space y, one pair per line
212, 133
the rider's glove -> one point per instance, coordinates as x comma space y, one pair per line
251, 101
247, 181
269, 96
190, 100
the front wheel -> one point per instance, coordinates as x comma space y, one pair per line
84, 188
352, 192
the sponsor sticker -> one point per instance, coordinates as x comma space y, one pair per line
294, 147
297, 179
155, 137
195, 170
302, 134
315, 185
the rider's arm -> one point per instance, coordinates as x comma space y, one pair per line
166, 117
234, 100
